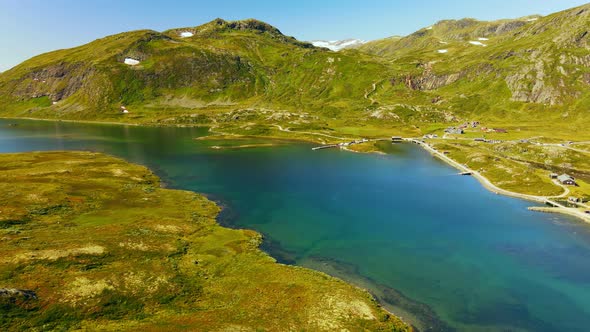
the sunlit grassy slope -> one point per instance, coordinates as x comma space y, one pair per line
532, 71
92, 242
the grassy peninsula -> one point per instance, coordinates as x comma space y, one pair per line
92, 242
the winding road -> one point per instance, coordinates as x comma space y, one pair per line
493, 188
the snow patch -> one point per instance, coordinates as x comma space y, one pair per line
337, 45
186, 34
429, 28
481, 38
443, 51
532, 19
131, 62
477, 43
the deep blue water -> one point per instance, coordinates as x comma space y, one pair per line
403, 223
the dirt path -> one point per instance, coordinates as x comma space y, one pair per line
566, 191
493, 188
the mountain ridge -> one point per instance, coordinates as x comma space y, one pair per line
450, 71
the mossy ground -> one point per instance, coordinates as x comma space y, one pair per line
105, 248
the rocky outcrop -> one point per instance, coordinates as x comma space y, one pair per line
13, 293
542, 80
57, 81
428, 80
252, 25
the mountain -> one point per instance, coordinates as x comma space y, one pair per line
538, 60
248, 77
216, 64
337, 45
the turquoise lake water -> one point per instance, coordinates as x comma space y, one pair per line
433, 246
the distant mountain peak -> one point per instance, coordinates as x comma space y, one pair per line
241, 25
337, 45
221, 26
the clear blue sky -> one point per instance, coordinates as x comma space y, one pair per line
30, 27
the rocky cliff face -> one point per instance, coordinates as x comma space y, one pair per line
428, 80
58, 81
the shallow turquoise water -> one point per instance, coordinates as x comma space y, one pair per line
406, 221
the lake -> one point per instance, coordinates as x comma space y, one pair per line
432, 246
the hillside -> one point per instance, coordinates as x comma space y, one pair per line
133, 256
247, 77
535, 60
216, 65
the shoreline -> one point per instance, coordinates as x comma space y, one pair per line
487, 184
559, 210
74, 121
384, 306
484, 181
210, 127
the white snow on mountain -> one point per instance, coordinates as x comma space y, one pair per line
337, 45
131, 62
477, 43
186, 34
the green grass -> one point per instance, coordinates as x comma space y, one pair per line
246, 78
105, 248
519, 167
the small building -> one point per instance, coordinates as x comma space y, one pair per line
574, 200
453, 130
567, 180
553, 175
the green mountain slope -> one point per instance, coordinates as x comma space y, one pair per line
542, 60
244, 62
247, 77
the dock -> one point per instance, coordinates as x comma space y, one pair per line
325, 147
397, 139
341, 145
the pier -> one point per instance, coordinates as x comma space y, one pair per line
325, 147
397, 139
